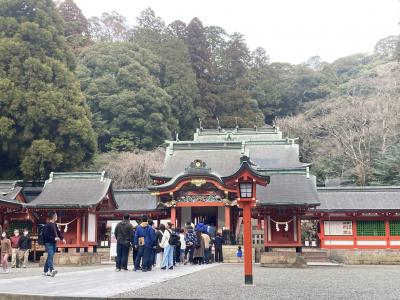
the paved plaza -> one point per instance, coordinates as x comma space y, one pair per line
211, 282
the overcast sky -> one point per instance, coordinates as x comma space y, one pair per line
290, 30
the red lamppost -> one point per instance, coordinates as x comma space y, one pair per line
244, 181
247, 201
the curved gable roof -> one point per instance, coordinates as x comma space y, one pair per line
73, 191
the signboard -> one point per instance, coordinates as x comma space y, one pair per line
338, 228
113, 244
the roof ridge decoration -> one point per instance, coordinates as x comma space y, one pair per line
77, 175
197, 165
370, 188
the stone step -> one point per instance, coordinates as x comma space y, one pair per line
317, 259
324, 255
324, 264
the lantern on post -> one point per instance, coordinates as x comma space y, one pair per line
247, 201
245, 181
246, 189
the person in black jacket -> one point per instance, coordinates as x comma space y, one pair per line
24, 245
51, 234
218, 242
123, 233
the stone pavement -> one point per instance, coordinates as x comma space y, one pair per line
226, 282
217, 281
100, 281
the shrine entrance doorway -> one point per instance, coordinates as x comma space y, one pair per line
207, 215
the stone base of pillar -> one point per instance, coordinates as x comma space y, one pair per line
73, 259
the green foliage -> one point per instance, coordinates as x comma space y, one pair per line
145, 83
281, 89
40, 159
40, 97
110, 27
387, 167
122, 85
176, 76
76, 26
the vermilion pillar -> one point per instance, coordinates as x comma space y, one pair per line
78, 231
227, 217
173, 215
247, 243
387, 230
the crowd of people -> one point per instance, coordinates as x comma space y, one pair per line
18, 247
166, 246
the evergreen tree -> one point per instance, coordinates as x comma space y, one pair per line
200, 57
122, 85
387, 167
110, 27
176, 76
76, 26
40, 99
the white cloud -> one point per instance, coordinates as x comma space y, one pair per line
290, 30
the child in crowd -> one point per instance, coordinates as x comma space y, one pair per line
5, 252
239, 254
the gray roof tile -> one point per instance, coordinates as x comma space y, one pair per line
288, 189
359, 198
135, 200
275, 156
72, 192
224, 162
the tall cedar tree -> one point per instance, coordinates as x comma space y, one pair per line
40, 97
176, 75
76, 26
200, 57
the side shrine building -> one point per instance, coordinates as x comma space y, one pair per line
202, 180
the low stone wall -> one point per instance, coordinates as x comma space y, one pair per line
73, 259
365, 257
229, 253
282, 259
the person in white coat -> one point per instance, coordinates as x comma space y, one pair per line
183, 246
168, 259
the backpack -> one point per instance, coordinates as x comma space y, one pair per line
173, 238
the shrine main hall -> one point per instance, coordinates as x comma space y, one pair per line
200, 181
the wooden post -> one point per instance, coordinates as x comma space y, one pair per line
265, 232
354, 233
322, 232
247, 243
173, 215
387, 231
78, 231
227, 217
298, 224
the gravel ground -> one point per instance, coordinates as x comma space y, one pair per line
226, 282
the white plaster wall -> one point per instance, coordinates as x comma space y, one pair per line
92, 223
